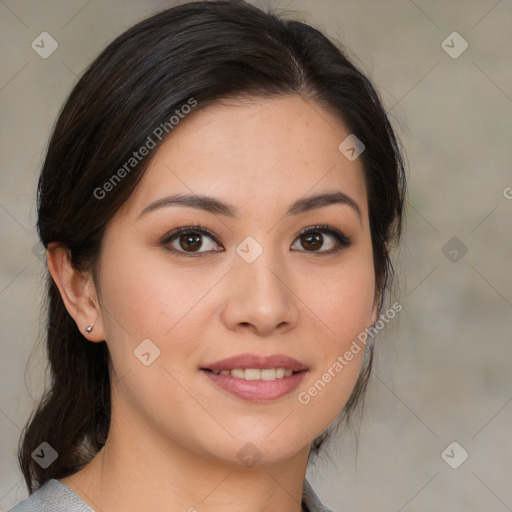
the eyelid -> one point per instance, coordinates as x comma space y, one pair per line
338, 234
192, 228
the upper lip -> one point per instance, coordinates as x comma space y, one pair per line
257, 361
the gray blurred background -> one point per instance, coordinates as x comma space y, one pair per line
443, 368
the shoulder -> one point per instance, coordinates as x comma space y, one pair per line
52, 496
311, 500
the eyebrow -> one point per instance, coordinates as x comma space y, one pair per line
215, 206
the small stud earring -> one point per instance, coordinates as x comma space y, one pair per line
88, 329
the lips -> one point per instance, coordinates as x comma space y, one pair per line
260, 389
256, 361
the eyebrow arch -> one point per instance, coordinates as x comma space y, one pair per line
212, 205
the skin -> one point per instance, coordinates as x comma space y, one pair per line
174, 435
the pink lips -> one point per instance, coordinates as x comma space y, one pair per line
256, 390
256, 361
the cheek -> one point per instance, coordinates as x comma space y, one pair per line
141, 297
343, 300
344, 304
145, 299
147, 311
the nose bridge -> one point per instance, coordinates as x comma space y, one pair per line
259, 293
259, 266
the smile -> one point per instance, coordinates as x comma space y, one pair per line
256, 373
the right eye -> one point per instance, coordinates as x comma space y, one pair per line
187, 240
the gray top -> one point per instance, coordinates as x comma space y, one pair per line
54, 496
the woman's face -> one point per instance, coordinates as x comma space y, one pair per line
172, 305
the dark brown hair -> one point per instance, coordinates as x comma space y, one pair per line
202, 50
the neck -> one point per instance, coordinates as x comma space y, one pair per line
156, 473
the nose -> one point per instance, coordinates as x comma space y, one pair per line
259, 296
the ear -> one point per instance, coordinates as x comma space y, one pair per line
77, 290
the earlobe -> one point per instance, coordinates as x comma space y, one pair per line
77, 291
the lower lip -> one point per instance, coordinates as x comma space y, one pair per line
256, 390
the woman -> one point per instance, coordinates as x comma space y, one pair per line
218, 202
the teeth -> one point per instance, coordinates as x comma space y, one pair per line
238, 373
257, 374
252, 374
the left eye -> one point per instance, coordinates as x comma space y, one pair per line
312, 238
189, 240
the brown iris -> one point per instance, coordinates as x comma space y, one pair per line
191, 241
313, 239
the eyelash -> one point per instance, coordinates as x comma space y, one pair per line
342, 240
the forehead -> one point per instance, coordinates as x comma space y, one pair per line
256, 155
